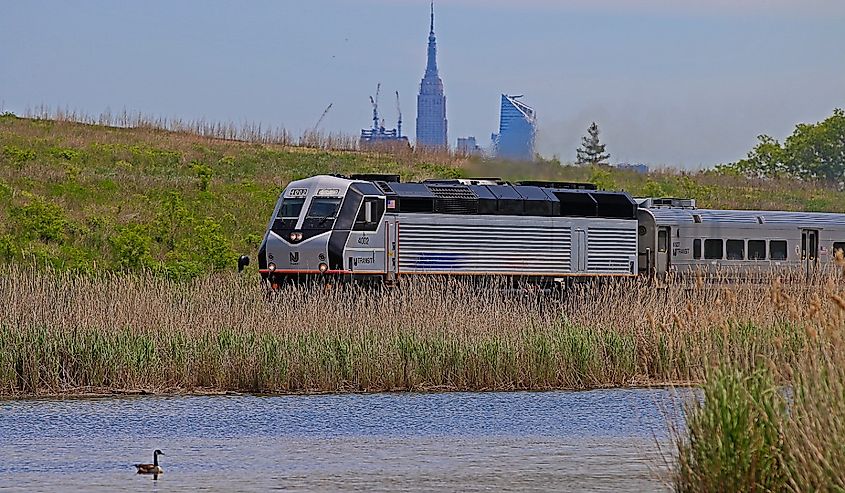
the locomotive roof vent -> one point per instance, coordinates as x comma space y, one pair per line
466, 181
673, 202
451, 191
569, 185
376, 177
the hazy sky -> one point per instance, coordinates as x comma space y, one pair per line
677, 82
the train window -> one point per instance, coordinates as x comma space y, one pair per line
291, 208
756, 249
736, 249
370, 214
713, 249
840, 246
662, 241
777, 250
323, 208
696, 249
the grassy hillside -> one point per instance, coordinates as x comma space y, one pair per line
90, 197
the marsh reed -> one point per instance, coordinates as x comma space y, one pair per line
66, 333
765, 424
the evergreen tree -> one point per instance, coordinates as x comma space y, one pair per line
592, 150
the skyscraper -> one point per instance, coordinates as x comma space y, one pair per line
431, 103
517, 129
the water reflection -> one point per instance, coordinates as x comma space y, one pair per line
601, 440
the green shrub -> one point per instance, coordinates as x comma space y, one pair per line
212, 246
8, 248
65, 153
204, 173
602, 178
131, 247
17, 155
40, 220
171, 219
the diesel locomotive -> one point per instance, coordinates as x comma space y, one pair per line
375, 228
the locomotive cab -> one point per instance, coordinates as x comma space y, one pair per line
313, 224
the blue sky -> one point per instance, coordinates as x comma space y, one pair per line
670, 82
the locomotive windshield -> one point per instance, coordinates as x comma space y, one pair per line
323, 208
322, 212
291, 208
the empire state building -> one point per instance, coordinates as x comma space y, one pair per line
431, 103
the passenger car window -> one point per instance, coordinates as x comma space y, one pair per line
839, 245
696, 249
777, 250
713, 249
662, 241
756, 249
736, 249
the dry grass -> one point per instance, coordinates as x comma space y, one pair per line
62, 332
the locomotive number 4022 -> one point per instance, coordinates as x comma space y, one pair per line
364, 240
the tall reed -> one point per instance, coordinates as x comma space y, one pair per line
770, 424
62, 332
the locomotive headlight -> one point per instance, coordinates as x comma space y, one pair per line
271, 267
323, 268
298, 236
292, 236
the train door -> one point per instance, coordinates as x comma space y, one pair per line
579, 250
391, 248
809, 249
663, 257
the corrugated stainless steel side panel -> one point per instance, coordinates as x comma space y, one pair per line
675, 216
484, 248
611, 249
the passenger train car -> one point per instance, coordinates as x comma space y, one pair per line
675, 236
376, 228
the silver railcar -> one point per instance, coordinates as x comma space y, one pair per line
675, 236
377, 228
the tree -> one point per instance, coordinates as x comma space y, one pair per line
813, 152
592, 150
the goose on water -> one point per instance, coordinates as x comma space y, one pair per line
153, 468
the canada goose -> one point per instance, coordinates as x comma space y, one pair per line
153, 468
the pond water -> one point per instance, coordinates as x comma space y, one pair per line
605, 440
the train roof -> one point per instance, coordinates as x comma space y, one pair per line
689, 214
497, 197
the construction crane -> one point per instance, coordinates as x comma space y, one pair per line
375, 106
323, 116
398, 110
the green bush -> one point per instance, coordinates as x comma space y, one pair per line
204, 173
40, 220
171, 219
131, 247
17, 155
65, 153
212, 246
8, 248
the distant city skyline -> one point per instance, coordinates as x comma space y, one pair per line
685, 84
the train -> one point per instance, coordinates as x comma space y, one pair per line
377, 229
